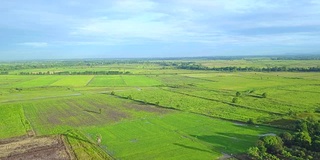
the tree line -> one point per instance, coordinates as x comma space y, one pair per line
76, 73
301, 144
195, 66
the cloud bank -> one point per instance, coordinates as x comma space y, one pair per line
146, 28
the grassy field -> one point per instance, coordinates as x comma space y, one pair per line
74, 81
176, 135
123, 81
157, 112
13, 122
266, 62
38, 81
153, 132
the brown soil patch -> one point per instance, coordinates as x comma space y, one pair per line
84, 114
36, 148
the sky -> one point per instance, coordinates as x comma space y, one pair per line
63, 29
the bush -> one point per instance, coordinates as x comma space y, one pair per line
235, 100
274, 144
303, 139
250, 121
254, 152
287, 138
264, 95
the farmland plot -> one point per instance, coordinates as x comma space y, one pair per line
176, 135
74, 81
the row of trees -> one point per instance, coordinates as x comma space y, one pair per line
194, 66
302, 144
10, 66
76, 73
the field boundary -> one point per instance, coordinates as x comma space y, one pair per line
231, 104
94, 76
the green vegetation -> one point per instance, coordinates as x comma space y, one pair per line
75, 81
160, 109
13, 122
180, 135
303, 143
83, 147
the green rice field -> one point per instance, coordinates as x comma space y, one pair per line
157, 112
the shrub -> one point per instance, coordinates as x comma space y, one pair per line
254, 152
250, 121
235, 100
264, 95
287, 138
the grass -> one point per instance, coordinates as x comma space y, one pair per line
80, 108
123, 81
73, 81
107, 81
266, 62
12, 121
184, 102
177, 135
6, 81
140, 81
23, 94
38, 81
153, 133
83, 147
56, 115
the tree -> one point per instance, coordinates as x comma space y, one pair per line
112, 93
316, 145
274, 144
303, 139
254, 152
261, 146
264, 95
287, 138
238, 94
302, 126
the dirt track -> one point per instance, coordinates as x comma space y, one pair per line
35, 148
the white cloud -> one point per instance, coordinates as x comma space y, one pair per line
133, 5
151, 25
211, 22
34, 44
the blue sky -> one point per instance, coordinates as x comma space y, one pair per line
59, 29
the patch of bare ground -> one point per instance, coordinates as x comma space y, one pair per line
225, 156
35, 148
234, 157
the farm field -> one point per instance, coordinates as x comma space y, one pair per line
266, 62
156, 111
51, 147
124, 125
